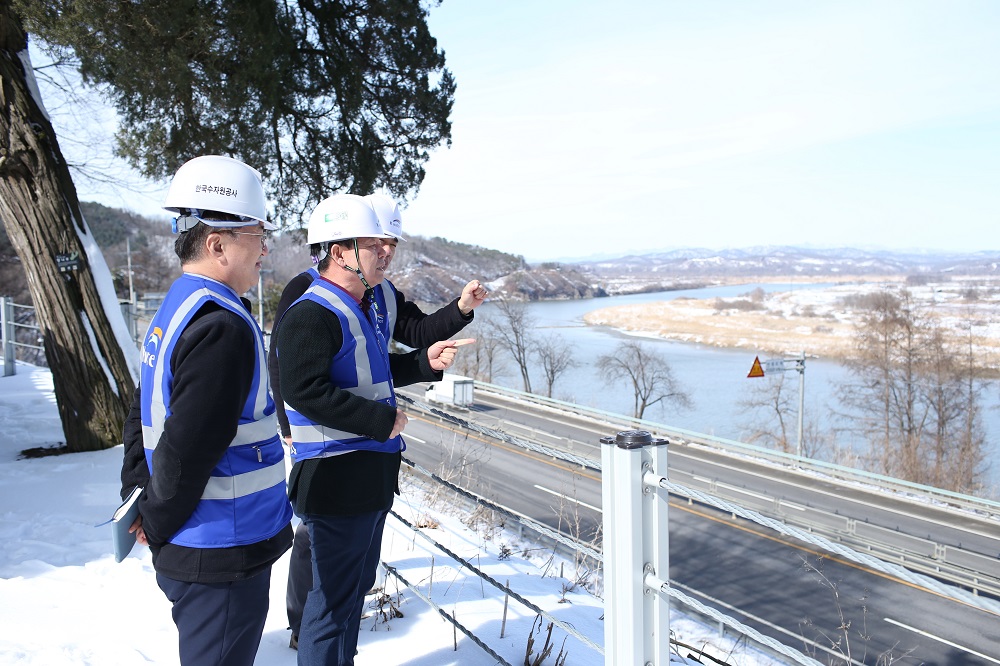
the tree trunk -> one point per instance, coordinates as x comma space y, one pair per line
40, 209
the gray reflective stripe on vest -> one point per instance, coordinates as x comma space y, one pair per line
246, 433
361, 361
308, 434
248, 483
389, 294
314, 434
158, 414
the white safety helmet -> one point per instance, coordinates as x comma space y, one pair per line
341, 217
217, 183
388, 214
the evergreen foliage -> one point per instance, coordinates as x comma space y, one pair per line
321, 96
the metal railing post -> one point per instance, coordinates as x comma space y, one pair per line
131, 318
7, 333
636, 620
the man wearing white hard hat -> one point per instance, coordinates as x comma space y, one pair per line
337, 378
403, 321
201, 436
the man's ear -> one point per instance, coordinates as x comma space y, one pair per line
336, 252
214, 244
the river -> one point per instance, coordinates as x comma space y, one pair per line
714, 378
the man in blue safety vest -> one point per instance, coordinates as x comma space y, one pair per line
337, 378
201, 437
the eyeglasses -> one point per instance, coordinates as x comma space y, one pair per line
264, 236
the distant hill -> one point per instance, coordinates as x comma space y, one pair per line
679, 267
432, 271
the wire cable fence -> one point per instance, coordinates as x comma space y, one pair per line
443, 613
568, 628
493, 433
572, 544
872, 562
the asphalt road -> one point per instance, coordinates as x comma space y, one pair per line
832, 609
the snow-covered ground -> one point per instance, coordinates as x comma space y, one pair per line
66, 602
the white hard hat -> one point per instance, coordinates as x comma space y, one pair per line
341, 217
222, 184
388, 214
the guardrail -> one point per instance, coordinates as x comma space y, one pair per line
977, 572
15, 331
19, 330
986, 506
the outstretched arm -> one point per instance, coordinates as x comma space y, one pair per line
416, 329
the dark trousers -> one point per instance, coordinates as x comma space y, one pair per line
218, 624
345, 557
300, 578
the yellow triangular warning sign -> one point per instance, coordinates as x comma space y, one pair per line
756, 370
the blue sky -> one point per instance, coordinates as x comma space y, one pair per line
587, 128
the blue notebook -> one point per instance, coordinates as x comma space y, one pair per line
123, 518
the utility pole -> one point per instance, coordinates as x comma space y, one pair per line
128, 252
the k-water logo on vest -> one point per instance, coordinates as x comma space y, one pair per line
152, 346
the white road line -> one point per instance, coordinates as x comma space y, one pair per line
744, 491
942, 640
571, 499
415, 439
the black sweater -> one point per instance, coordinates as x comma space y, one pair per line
360, 481
213, 371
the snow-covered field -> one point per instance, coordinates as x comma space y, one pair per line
819, 321
66, 602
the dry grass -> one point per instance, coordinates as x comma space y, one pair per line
815, 320
698, 321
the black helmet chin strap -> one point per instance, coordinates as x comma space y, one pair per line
368, 298
357, 270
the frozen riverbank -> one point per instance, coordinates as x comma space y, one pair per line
819, 321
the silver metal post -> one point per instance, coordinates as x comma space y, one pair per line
7, 335
636, 619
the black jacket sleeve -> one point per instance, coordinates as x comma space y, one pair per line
295, 288
416, 329
135, 471
309, 337
212, 364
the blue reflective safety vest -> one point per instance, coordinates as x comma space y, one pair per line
360, 366
245, 500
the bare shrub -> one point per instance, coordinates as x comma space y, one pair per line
873, 301
741, 305
532, 659
427, 521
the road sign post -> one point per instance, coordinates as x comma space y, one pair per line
759, 369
